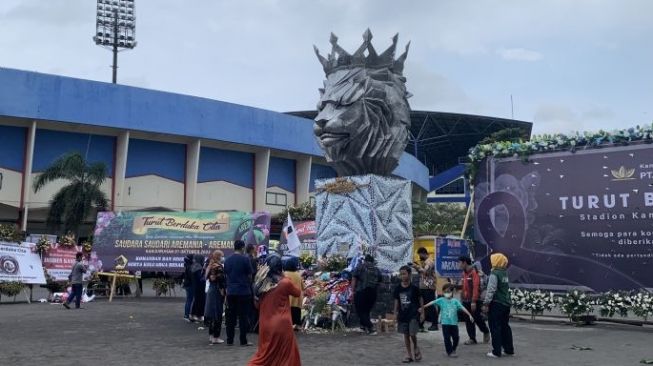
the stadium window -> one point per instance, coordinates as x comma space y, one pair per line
276, 199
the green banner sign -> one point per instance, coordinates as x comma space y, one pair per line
159, 241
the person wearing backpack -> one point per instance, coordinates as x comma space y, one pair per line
365, 283
471, 299
483, 278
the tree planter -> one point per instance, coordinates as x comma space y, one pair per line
583, 319
534, 314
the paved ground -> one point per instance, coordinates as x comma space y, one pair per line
150, 331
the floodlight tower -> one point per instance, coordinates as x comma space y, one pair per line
115, 28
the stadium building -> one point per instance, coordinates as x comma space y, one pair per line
168, 151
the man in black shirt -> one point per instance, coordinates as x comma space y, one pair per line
407, 304
238, 270
365, 283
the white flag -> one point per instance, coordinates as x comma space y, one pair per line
292, 239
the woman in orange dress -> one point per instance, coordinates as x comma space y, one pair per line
277, 345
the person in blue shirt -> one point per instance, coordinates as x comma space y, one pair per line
449, 308
239, 272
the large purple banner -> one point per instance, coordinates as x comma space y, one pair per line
571, 219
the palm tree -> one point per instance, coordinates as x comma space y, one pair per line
75, 201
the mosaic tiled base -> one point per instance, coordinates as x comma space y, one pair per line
377, 213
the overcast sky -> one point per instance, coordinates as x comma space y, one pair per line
569, 64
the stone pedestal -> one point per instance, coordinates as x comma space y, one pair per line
367, 211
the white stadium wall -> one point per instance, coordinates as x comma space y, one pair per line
212, 196
10, 186
152, 191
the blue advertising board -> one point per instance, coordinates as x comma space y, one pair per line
447, 253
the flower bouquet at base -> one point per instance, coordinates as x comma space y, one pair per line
306, 260
536, 302
61, 297
518, 299
577, 305
642, 304
612, 303
326, 301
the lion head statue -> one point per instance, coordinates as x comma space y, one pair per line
363, 113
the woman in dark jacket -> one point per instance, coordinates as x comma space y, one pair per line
187, 285
198, 284
215, 297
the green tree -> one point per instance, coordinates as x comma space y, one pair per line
512, 134
75, 201
438, 219
302, 212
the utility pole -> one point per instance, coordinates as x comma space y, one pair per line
512, 108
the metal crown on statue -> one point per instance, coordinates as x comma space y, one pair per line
341, 59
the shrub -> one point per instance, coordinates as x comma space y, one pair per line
8, 233
334, 263
642, 304
611, 303
302, 212
575, 303
11, 288
537, 302
163, 285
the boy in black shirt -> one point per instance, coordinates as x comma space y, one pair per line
407, 303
